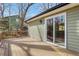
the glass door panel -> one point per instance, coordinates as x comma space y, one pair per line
50, 30
59, 30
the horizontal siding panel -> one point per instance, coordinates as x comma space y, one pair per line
74, 25
73, 21
72, 15
73, 48
74, 40
73, 29
75, 18
73, 45
73, 34
70, 12
77, 11
70, 30
71, 18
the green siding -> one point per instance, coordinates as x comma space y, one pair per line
11, 23
73, 28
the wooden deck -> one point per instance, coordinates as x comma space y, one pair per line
25, 46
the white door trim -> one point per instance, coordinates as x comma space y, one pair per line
65, 43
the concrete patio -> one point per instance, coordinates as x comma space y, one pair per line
26, 46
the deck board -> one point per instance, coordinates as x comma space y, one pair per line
26, 46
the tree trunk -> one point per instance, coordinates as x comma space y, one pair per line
21, 23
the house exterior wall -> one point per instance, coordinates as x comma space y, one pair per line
10, 23
36, 30
73, 28
13, 24
72, 18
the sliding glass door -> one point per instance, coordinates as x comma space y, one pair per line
56, 29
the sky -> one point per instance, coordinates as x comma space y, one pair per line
33, 10
14, 10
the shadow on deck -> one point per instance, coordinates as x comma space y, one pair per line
28, 47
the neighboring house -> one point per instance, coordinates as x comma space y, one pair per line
9, 23
3, 25
58, 25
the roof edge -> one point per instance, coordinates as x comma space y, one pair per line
48, 10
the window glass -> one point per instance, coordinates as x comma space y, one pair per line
59, 29
62, 18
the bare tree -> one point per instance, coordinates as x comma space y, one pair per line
2, 10
45, 6
23, 8
4, 7
9, 12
